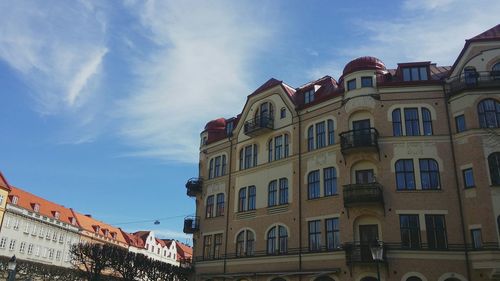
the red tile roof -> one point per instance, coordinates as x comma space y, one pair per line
90, 224
27, 201
184, 252
3, 183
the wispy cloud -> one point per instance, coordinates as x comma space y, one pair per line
197, 70
421, 31
56, 47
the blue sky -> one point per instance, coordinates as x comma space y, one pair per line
103, 101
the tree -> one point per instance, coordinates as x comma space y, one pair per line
92, 259
129, 265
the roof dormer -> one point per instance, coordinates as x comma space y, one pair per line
56, 214
15, 199
414, 71
36, 207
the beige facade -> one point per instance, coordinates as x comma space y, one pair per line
305, 181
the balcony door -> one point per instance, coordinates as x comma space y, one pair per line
264, 113
361, 132
368, 235
365, 176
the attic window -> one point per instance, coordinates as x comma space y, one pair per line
309, 96
113, 235
415, 73
73, 221
36, 207
106, 233
97, 228
56, 215
14, 200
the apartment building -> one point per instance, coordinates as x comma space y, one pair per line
37, 230
4, 193
307, 182
146, 243
95, 231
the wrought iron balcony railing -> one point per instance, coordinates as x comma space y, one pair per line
361, 138
191, 224
360, 252
194, 186
473, 80
363, 193
259, 125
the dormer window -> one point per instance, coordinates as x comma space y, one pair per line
309, 96
351, 84
113, 235
15, 199
229, 128
36, 207
72, 220
97, 228
106, 233
56, 215
415, 73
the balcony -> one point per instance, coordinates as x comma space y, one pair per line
359, 252
363, 194
194, 186
361, 139
191, 225
472, 81
259, 125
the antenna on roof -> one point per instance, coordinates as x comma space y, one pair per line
157, 222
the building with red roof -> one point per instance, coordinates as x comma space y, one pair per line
146, 243
390, 170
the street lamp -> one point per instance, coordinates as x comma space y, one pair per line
377, 255
11, 269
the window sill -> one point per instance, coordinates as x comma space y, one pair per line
418, 190
323, 197
277, 209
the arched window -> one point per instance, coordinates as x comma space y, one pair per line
397, 129
211, 169
277, 240
283, 191
427, 121
287, 146
331, 132
242, 200
278, 279
245, 243
413, 278
496, 67
489, 113
405, 176
209, 210
280, 146
313, 185
310, 138
270, 150
324, 278
272, 194
369, 278
494, 164
470, 76
219, 210
248, 157
498, 224
429, 174
495, 71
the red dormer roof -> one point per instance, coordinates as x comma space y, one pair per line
90, 224
325, 88
27, 201
184, 252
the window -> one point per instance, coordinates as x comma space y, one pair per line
245, 245
413, 278
3, 242
320, 135
366, 82
217, 245
219, 211
277, 240
272, 194
27, 228
468, 178
411, 122
287, 146
283, 113
58, 255
489, 113
56, 215
315, 235
310, 138
283, 195
243, 203
61, 238
207, 247
36, 208
30, 249
37, 251
429, 174
248, 157
460, 123
7, 223
278, 147
414, 73
12, 245
470, 76
351, 84
54, 236
210, 207
330, 181
22, 247
494, 164
427, 122
313, 185
229, 128
309, 96
14, 200
436, 231
51, 254
217, 167
332, 234
331, 132
477, 240
405, 177
410, 231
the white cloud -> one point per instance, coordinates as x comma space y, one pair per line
421, 31
172, 234
56, 47
196, 71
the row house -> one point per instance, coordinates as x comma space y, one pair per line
145, 242
307, 183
